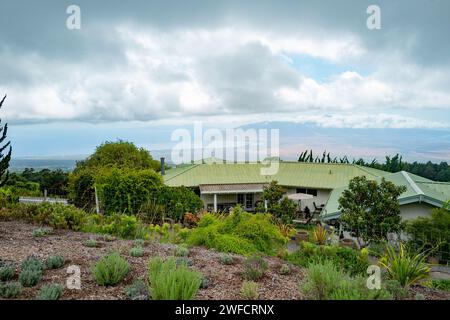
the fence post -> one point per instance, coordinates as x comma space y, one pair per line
97, 207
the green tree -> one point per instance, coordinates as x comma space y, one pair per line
370, 210
4, 159
280, 207
120, 154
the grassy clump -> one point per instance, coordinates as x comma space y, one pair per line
249, 290
254, 267
285, 269
326, 282
10, 289
181, 251
441, 284
7, 271
55, 262
136, 252
111, 269
41, 232
139, 243
31, 271
137, 290
91, 243
226, 259
168, 281
51, 291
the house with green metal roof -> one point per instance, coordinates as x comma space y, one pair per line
420, 197
222, 185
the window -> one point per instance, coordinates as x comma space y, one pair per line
249, 200
245, 200
312, 192
241, 199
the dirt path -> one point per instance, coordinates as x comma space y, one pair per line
17, 242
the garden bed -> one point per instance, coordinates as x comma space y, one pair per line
225, 281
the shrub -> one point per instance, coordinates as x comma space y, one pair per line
325, 281
226, 259
396, 289
139, 243
137, 290
111, 269
350, 260
91, 243
32, 263
41, 232
205, 283
322, 279
431, 233
249, 290
254, 267
136, 252
419, 296
405, 267
441, 284
66, 217
171, 282
126, 190
51, 291
10, 289
30, 277
55, 262
7, 270
285, 269
240, 232
31, 271
181, 251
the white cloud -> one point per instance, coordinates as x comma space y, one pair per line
223, 73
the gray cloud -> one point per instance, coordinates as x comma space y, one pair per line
159, 59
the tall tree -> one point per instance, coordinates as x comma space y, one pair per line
4, 159
370, 210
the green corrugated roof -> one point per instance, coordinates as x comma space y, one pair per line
296, 174
417, 189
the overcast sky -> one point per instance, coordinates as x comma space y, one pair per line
166, 63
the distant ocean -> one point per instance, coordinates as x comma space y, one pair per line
39, 164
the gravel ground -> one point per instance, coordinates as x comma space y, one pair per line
17, 242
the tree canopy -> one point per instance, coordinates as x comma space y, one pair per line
370, 210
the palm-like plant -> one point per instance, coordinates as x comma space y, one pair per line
404, 266
320, 235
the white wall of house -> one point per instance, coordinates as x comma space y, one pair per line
412, 211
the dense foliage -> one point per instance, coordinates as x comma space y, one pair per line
120, 154
349, 260
370, 210
432, 233
126, 190
239, 232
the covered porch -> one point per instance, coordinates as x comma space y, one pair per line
222, 197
